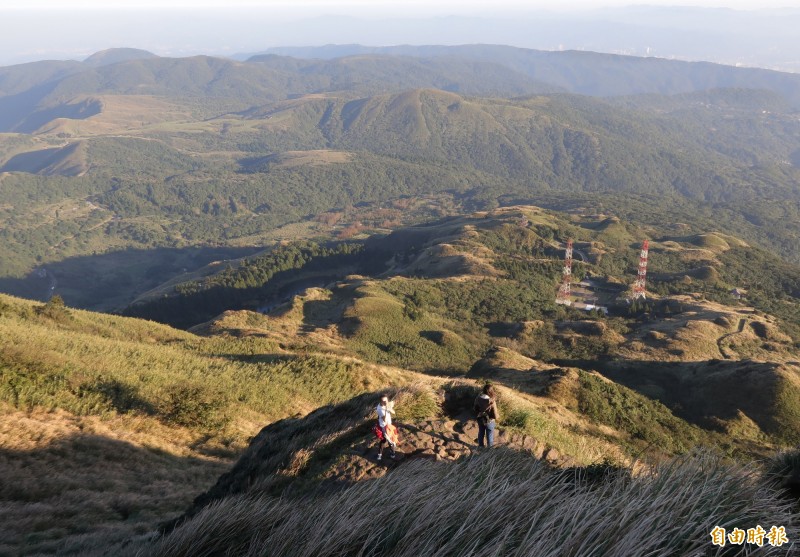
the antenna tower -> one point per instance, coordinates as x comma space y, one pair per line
639, 286
566, 278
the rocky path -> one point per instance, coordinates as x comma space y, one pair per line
444, 439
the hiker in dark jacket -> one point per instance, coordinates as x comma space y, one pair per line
485, 408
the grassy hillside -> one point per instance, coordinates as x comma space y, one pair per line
472, 274
244, 84
330, 453
86, 363
138, 418
433, 509
441, 296
326, 459
128, 419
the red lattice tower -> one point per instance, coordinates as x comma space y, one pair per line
566, 277
639, 290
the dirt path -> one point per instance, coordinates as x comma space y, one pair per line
444, 439
724, 337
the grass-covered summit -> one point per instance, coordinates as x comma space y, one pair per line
312, 486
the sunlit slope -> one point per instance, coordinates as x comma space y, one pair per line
110, 425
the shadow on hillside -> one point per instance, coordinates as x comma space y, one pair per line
13, 108
110, 281
706, 393
257, 358
92, 495
64, 161
318, 314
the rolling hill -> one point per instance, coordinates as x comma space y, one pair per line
108, 424
116, 55
438, 297
175, 153
585, 73
506, 248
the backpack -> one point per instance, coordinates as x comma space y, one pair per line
483, 417
376, 429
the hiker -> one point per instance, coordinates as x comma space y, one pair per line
388, 431
485, 408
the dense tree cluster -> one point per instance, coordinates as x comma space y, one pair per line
253, 282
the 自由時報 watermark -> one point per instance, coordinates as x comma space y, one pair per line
775, 537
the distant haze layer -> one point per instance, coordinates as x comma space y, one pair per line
765, 37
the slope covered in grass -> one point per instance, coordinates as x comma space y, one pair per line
92, 485
454, 280
500, 502
56, 357
564, 417
110, 425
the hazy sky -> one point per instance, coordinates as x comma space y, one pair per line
73, 29
420, 6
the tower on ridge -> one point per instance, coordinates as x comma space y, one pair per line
566, 277
639, 287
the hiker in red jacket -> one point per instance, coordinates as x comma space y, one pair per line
485, 408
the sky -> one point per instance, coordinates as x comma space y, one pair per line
73, 29
418, 6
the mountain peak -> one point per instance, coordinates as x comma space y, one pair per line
115, 55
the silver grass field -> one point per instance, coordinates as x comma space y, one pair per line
502, 502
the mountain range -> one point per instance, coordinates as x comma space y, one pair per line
130, 150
